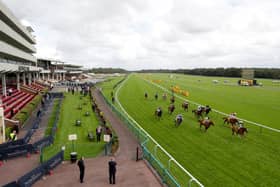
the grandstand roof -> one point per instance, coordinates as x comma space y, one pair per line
13, 68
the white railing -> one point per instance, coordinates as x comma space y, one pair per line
154, 141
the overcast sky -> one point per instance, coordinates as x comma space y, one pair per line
149, 34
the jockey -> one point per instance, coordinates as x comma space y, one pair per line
240, 124
199, 108
232, 115
179, 117
146, 95
156, 96
158, 109
206, 119
164, 96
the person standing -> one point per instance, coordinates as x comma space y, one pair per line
81, 165
13, 135
98, 133
112, 171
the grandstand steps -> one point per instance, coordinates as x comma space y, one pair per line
28, 89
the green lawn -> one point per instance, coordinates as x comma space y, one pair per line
215, 158
66, 125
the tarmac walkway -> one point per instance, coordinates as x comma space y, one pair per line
129, 172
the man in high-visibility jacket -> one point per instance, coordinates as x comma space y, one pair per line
13, 135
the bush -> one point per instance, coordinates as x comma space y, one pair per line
8, 130
23, 115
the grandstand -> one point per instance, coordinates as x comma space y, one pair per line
57, 70
18, 68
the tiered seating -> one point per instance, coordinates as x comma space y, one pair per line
17, 105
38, 86
33, 88
15, 102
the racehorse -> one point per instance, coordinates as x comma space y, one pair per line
156, 96
172, 99
232, 121
205, 123
178, 121
206, 109
185, 106
164, 96
197, 113
158, 113
238, 131
171, 108
146, 95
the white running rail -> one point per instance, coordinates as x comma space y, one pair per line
150, 137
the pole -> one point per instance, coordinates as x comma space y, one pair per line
137, 152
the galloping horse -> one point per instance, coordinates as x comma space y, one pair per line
206, 109
197, 113
185, 106
164, 96
238, 131
205, 123
158, 113
172, 99
146, 95
232, 121
171, 108
178, 121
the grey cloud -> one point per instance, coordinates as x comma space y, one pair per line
138, 34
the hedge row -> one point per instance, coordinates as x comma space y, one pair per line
23, 115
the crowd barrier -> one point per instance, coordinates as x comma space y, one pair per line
44, 142
36, 174
15, 151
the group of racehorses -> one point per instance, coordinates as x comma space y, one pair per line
201, 114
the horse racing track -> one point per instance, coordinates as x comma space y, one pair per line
215, 157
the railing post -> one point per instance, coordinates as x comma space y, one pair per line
155, 149
190, 182
169, 161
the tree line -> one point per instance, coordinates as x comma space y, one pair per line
270, 73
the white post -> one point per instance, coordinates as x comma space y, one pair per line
4, 89
24, 78
2, 125
18, 82
34, 77
29, 78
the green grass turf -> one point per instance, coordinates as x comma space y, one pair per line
68, 115
216, 158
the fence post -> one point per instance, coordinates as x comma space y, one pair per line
41, 155
137, 153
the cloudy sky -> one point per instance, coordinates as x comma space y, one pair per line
149, 34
